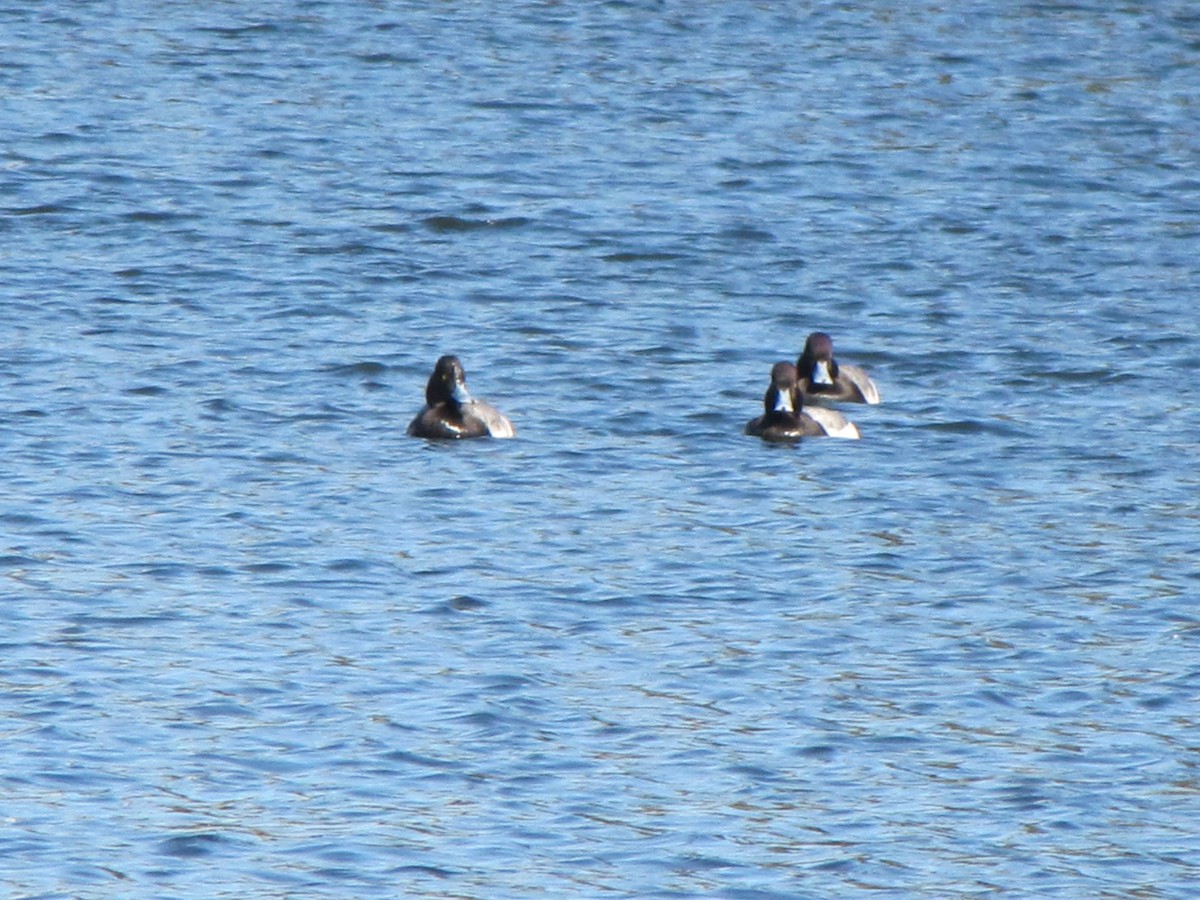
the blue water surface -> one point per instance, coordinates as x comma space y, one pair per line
258, 643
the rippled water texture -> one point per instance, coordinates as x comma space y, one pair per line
258, 643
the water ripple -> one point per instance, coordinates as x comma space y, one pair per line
258, 642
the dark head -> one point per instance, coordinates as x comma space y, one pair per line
816, 363
448, 383
783, 400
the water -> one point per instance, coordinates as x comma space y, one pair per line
257, 643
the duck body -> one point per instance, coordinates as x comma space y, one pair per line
451, 413
784, 417
823, 378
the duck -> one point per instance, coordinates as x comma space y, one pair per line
822, 378
451, 413
785, 418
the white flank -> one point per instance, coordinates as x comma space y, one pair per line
835, 424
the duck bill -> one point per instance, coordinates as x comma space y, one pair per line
460, 393
783, 402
